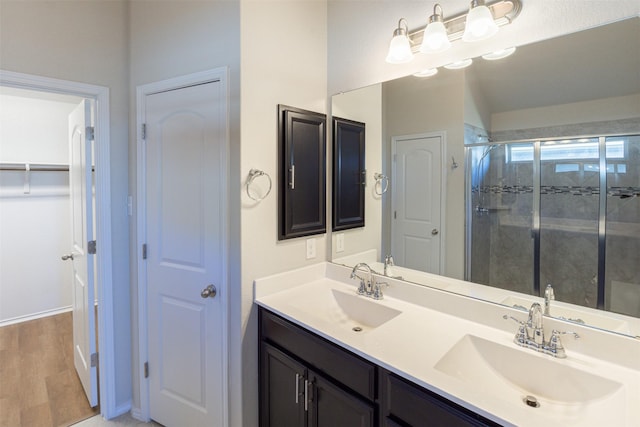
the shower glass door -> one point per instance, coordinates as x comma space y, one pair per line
622, 264
500, 208
569, 213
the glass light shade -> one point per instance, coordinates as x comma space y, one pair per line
459, 64
427, 72
480, 24
399, 50
499, 54
435, 38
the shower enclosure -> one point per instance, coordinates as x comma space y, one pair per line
565, 212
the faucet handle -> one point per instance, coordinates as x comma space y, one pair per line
555, 344
377, 291
556, 332
521, 336
507, 317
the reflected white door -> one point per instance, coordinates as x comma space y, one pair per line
185, 136
416, 201
80, 185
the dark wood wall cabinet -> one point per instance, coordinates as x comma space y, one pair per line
302, 172
349, 174
307, 381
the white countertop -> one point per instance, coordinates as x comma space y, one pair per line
431, 322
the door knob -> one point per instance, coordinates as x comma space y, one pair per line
209, 292
434, 231
66, 257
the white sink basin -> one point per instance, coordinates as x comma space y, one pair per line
347, 309
514, 373
586, 316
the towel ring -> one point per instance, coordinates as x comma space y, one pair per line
382, 183
253, 174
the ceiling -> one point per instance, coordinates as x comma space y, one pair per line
598, 63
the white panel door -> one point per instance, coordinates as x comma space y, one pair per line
185, 133
81, 184
416, 194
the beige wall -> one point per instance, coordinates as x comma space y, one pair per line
84, 42
283, 62
413, 106
364, 105
616, 108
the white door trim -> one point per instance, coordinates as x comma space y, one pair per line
443, 184
217, 74
104, 263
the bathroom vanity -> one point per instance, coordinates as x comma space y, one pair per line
421, 356
306, 380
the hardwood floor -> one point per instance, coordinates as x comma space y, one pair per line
39, 386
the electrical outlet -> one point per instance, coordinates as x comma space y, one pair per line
311, 248
340, 242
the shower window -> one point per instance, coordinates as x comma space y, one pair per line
568, 150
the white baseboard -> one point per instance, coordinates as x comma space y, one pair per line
34, 316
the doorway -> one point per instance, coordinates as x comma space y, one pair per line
100, 96
182, 236
417, 191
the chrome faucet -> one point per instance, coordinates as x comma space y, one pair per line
548, 297
531, 334
535, 328
388, 265
369, 287
365, 284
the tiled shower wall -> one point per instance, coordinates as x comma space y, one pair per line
502, 250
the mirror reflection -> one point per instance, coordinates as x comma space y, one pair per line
513, 174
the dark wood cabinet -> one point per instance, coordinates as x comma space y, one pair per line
403, 403
332, 406
308, 381
302, 173
349, 174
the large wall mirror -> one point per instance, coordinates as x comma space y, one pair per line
512, 174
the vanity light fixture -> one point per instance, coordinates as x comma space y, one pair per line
400, 46
499, 54
480, 24
429, 39
458, 65
435, 37
426, 72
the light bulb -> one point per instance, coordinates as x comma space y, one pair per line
400, 47
480, 24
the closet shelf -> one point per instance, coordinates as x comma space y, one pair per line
14, 166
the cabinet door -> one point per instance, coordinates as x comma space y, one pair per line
349, 174
406, 404
330, 406
282, 382
302, 177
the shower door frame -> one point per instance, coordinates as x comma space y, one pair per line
536, 219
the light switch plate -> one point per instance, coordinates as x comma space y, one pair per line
340, 242
311, 248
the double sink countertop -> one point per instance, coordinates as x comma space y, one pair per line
462, 348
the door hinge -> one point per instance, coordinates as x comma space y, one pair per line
90, 133
143, 131
146, 369
395, 214
144, 251
91, 247
94, 359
